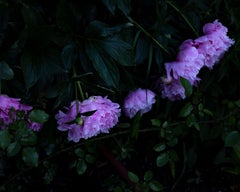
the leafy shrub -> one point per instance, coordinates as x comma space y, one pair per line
81, 60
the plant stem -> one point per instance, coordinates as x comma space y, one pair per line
147, 34
183, 16
78, 85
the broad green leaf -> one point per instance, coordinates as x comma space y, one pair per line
107, 39
155, 185
38, 116
81, 167
30, 156
133, 177
148, 176
39, 65
104, 65
142, 50
187, 86
110, 4
4, 139
13, 149
186, 110
69, 56
6, 72
232, 139
124, 6
162, 159
31, 71
159, 147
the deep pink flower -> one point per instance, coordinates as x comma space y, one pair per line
9, 109
173, 90
206, 50
93, 116
138, 100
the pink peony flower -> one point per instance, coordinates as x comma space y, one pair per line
87, 119
206, 50
9, 110
173, 90
138, 100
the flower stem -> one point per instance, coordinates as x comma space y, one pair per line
183, 16
147, 34
78, 86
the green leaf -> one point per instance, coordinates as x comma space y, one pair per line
107, 39
148, 176
123, 5
69, 56
105, 66
155, 185
88, 113
26, 136
232, 139
79, 152
31, 72
6, 72
187, 86
81, 167
90, 158
39, 65
110, 4
156, 122
136, 125
4, 139
142, 50
133, 177
159, 147
172, 167
172, 142
186, 110
38, 116
30, 156
13, 149
162, 159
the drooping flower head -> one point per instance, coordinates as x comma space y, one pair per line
88, 118
10, 109
206, 50
138, 100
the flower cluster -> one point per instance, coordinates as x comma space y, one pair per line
138, 100
206, 51
88, 118
12, 110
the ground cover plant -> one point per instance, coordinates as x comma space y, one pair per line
108, 95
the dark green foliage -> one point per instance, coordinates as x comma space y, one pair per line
53, 52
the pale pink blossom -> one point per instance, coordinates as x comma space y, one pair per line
12, 110
206, 50
89, 118
138, 100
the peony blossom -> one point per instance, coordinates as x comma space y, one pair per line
138, 100
12, 110
206, 50
89, 118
